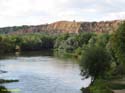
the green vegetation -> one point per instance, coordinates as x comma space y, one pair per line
99, 86
95, 62
118, 43
72, 44
12, 43
12, 29
117, 86
103, 58
117, 49
102, 55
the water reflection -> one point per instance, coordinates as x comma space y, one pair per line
39, 73
27, 54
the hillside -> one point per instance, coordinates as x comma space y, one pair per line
65, 27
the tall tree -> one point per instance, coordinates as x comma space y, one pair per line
118, 43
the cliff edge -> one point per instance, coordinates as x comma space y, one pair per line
65, 27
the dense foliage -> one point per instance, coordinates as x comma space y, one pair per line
102, 55
95, 62
7, 30
12, 43
118, 43
72, 43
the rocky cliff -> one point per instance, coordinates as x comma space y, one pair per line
65, 27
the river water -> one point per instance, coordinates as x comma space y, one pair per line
42, 73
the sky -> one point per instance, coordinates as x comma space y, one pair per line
35, 12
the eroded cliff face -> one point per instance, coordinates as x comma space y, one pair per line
68, 27
57, 27
99, 27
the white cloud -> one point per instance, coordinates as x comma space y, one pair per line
115, 15
21, 12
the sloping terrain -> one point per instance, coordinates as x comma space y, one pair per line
65, 27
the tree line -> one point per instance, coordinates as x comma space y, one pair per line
102, 55
30, 42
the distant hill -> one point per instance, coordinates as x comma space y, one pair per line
65, 27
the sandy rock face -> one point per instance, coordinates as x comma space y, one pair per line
69, 27
108, 26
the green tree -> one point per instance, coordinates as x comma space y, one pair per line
118, 43
71, 44
83, 38
102, 39
95, 63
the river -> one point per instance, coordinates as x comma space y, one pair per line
42, 73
